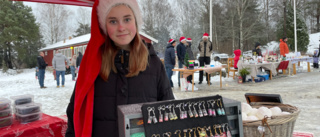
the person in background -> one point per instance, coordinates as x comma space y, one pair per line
237, 54
117, 69
73, 67
257, 50
283, 46
181, 52
316, 59
191, 57
59, 65
205, 48
170, 59
42, 69
79, 58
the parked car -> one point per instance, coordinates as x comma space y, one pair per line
218, 56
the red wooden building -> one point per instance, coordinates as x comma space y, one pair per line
72, 46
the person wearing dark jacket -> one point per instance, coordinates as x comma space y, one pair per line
181, 52
42, 69
190, 54
257, 49
170, 59
79, 58
205, 48
117, 69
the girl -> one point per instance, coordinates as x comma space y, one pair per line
117, 69
73, 67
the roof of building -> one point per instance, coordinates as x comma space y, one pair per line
84, 39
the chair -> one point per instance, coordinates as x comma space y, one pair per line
231, 67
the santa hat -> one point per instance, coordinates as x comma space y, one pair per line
171, 41
105, 6
205, 35
189, 40
182, 38
91, 65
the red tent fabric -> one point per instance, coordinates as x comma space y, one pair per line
87, 3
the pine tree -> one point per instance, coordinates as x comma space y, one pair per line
20, 38
302, 30
82, 30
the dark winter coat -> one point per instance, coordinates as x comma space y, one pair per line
149, 86
181, 52
257, 50
170, 57
205, 48
189, 51
79, 58
41, 63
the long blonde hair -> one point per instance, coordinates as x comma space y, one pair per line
138, 59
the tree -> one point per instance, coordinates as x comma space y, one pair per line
302, 30
20, 37
82, 30
55, 22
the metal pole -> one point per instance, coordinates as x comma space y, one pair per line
295, 26
210, 20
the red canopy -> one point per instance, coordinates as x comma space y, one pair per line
87, 3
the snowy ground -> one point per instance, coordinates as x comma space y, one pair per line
301, 90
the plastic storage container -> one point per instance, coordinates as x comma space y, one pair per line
5, 113
22, 99
28, 118
7, 121
266, 76
28, 108
4, 104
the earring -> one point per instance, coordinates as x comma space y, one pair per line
195, 111
209, 128
222, 108
171, 117
177, 132
200, 111
190, 111
175, 117
168, 134
228, 131
155, 135
154, 117
185, 132
194, 132
205, 113
214, 114
190, 130
201, 131
185, 115
160, 114
166, 114
181, 113
209, 109
149, 116
223, 131
215, 131
219, 110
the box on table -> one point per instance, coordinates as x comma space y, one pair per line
7, 121
28, 108
5, 104
22, 99
29, 117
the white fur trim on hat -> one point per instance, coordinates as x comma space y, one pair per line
105, 6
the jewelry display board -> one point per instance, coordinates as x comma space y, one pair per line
202, 117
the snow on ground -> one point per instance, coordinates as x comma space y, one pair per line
54, 100
301, 90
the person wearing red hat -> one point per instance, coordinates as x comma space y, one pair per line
170, 59
181, 52
205, 48
191, 56
117, 69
